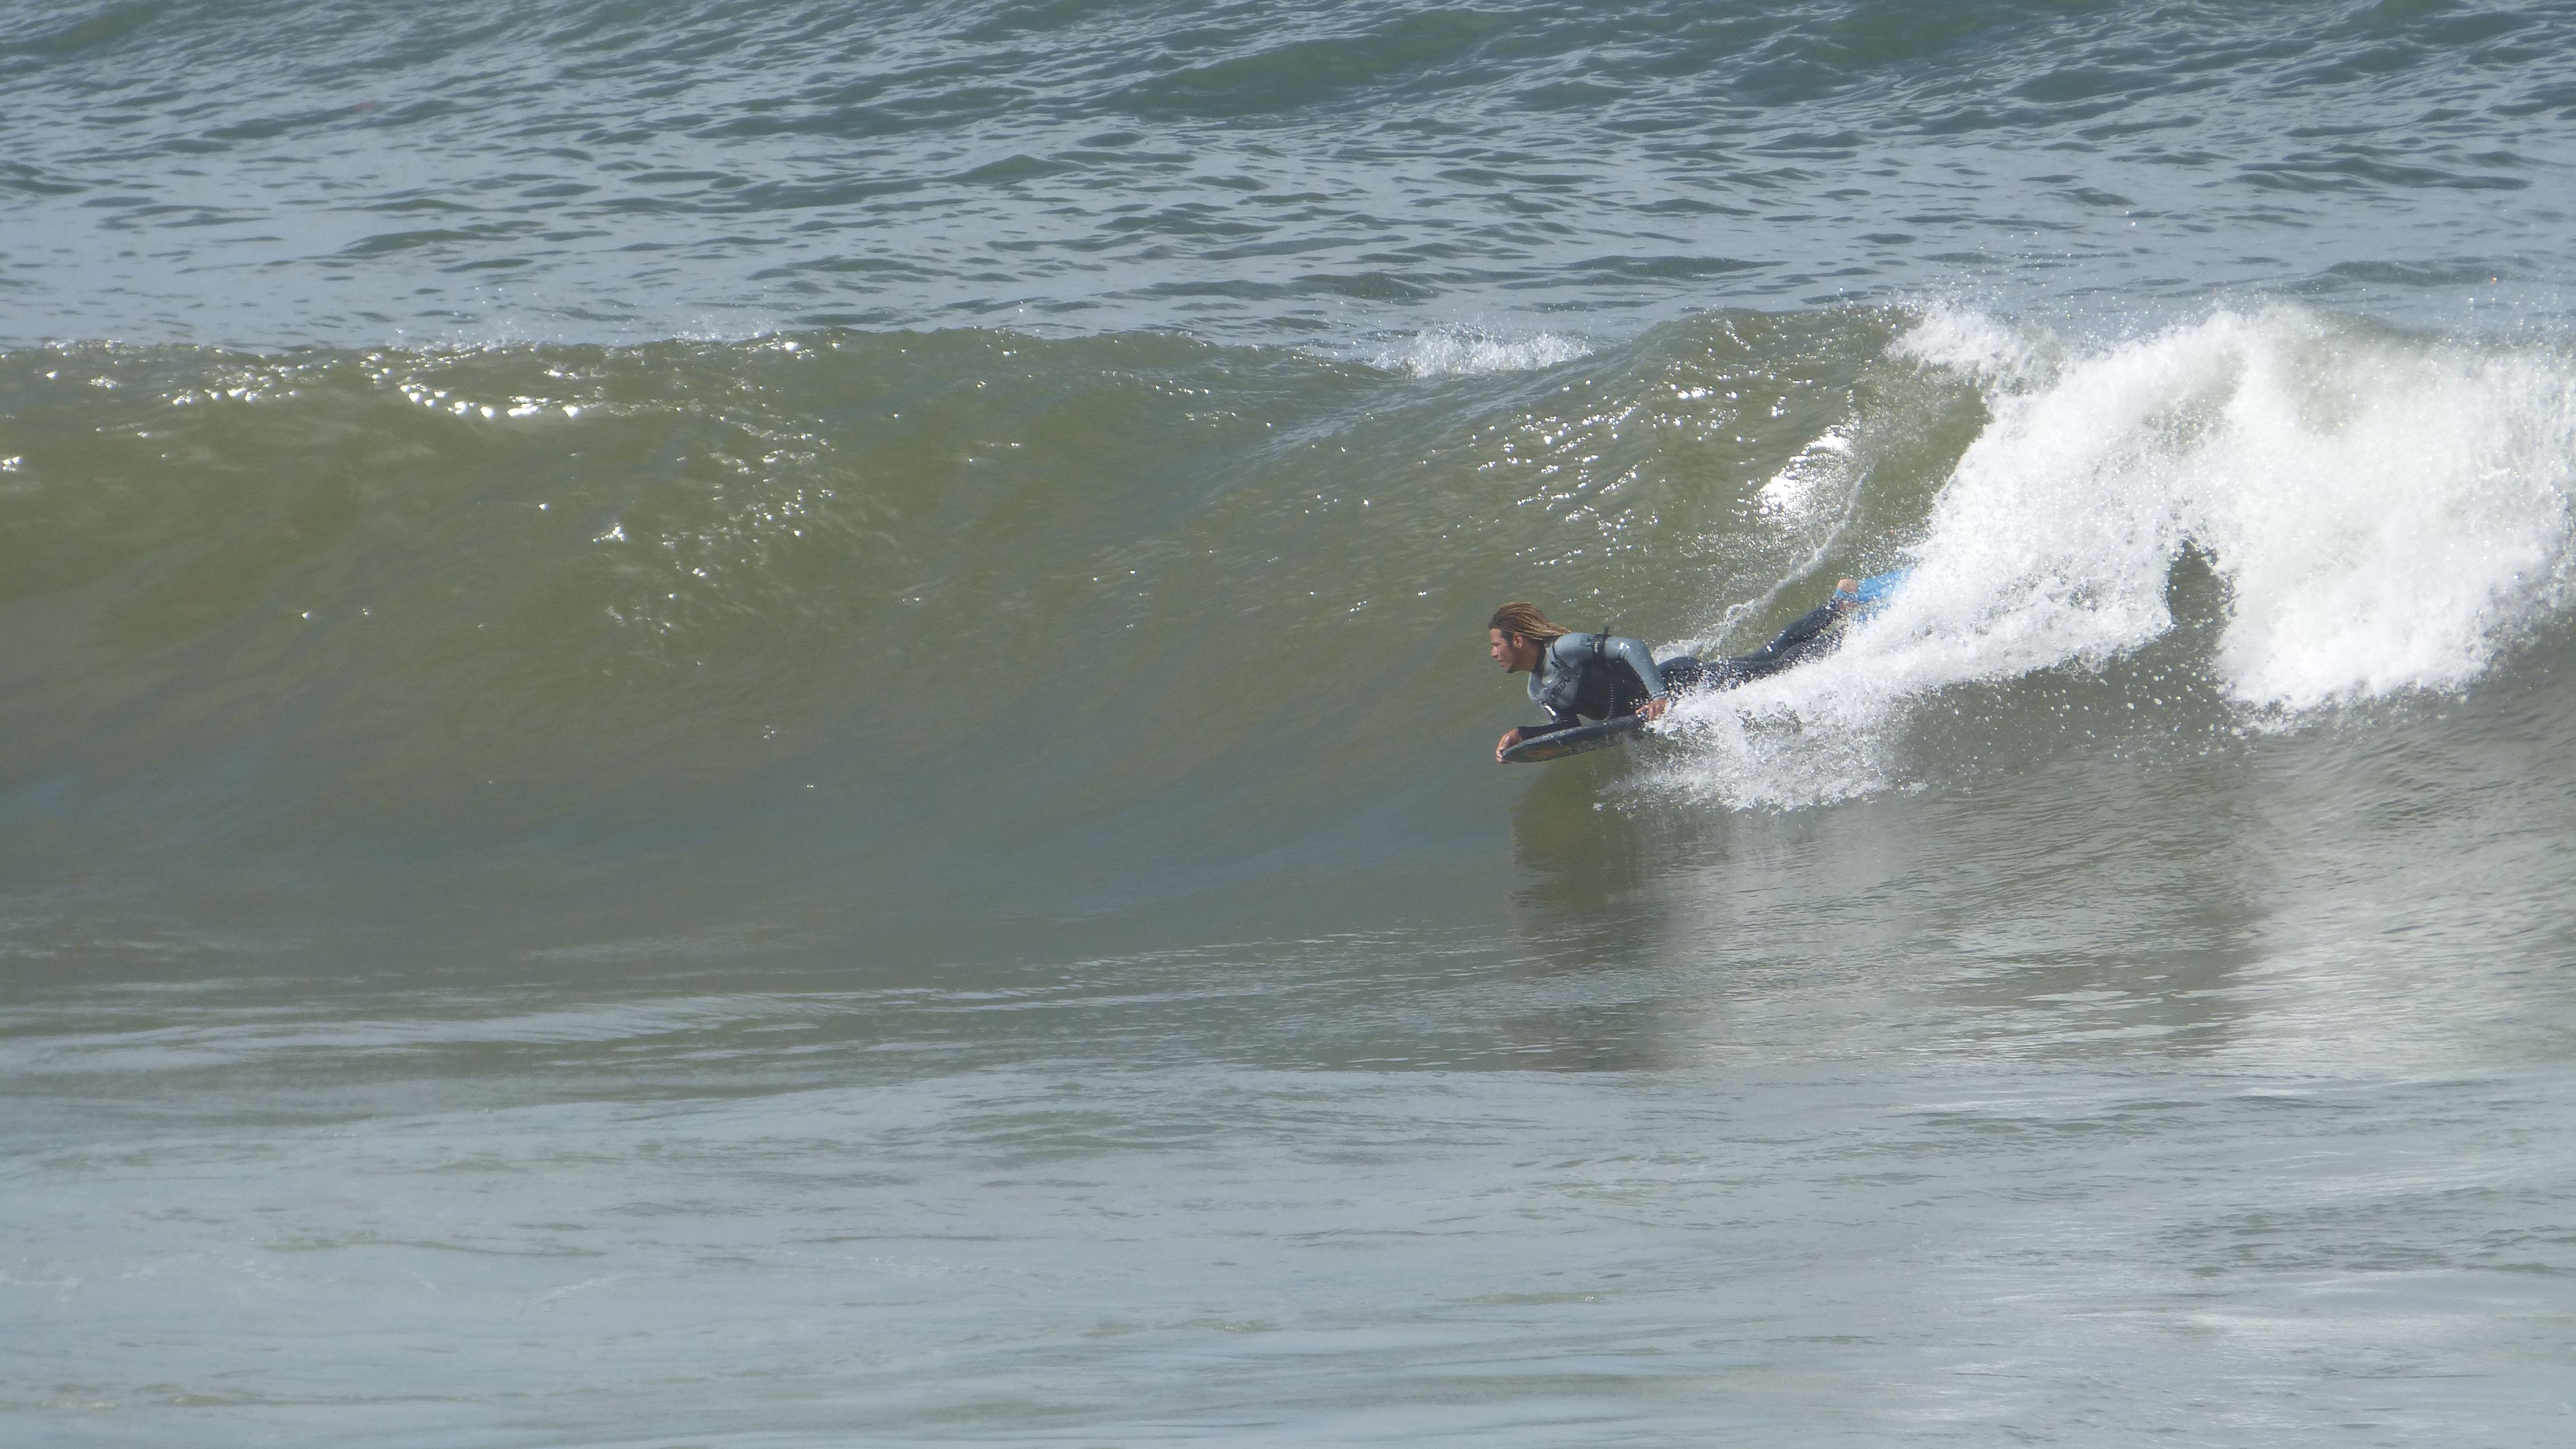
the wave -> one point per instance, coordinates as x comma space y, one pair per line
933, 624
2381, 513
1462, 350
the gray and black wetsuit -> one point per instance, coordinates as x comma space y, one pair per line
1815, 634
1604, 676
1594, 676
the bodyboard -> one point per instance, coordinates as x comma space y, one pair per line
1873, 593
1561, 743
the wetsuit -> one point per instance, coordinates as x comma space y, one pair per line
1816, 633
1603, 676
1596, 676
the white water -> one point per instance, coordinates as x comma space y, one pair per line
1456, 350
2388, 515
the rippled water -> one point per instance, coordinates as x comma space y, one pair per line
610, 171
757, 725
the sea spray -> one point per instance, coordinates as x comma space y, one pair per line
1461, 349
2384, 511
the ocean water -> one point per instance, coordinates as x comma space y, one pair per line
766, 725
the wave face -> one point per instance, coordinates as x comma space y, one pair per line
960, 623
970, 625
314, 171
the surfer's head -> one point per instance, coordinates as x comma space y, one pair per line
1517, 634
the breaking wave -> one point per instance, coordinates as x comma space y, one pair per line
2382, 514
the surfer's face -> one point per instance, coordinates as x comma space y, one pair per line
1517, 653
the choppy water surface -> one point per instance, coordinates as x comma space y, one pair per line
586, 170
740, 725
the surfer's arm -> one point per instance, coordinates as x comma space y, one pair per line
1531, 732
1555, 722
1632, 652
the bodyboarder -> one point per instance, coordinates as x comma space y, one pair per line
1602, 676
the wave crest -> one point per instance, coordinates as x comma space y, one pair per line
2383, 513
1452, 351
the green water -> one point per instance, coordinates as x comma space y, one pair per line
950, 887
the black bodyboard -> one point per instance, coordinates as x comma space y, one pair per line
1561, 743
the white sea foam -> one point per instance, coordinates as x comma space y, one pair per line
2388, 514
1452, 350
2002, 355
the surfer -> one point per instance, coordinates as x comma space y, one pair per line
1573, 675
1603, 676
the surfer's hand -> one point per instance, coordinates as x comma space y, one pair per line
1654, 708
1510, 738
